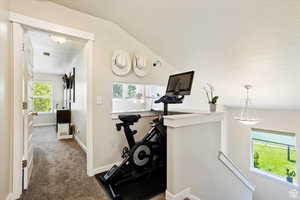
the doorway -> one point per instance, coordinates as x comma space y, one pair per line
28, 101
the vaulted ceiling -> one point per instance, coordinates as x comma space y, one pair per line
228, 42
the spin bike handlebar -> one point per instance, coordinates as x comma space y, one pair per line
170, 99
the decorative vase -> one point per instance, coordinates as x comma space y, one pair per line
289, 179
212, 107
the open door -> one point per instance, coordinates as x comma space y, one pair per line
23, 113
22, 104
28, 112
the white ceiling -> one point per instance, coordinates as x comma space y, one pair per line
61, 55
228, 42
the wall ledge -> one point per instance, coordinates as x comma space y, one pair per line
176, 121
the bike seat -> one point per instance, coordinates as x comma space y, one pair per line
129, 118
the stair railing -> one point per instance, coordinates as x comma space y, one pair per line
229, 164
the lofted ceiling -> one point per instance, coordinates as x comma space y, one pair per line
61, 55
229, 43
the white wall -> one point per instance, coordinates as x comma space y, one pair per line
238, 138
143, 126
57, 83
109, 37
5, 106
79, 108
197, 101
229, 42
193, 163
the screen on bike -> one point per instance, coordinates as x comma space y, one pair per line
180, 84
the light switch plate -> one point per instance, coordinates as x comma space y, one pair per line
99, 100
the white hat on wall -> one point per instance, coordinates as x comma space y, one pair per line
140, 65
121, 62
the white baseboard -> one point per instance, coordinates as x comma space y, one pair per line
83, 146
104, 168
193, 197
63, 137
181, 195
43, 124
11, 196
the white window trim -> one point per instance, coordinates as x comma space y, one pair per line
51, 97
273, 177
269, 175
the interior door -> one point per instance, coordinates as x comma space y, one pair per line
23, 75
28, 111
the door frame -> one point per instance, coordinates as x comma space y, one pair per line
17, 91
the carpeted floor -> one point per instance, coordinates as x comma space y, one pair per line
59, 171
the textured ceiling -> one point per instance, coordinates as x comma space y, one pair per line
229, 43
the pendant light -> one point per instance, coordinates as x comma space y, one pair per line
58, 39
248, 115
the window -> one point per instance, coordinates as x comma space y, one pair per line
274, 153
134, 97
42, 97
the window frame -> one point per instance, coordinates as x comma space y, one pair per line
266, 174
50, 97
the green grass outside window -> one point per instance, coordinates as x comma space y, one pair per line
273, 159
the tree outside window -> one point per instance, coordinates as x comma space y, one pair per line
131, 93
117, 90
134, 97
42, 97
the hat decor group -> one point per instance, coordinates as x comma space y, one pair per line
122, 63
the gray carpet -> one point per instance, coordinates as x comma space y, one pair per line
59, 171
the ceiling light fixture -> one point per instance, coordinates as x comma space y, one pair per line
58, 39
248, 115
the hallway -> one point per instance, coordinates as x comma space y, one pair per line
59, 171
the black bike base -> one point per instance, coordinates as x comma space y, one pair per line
142, 188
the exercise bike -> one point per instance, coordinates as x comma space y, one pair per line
140, 158
150, 153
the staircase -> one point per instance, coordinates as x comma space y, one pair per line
195, 161
229, 164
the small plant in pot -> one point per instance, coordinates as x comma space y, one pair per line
290, 175
212, 100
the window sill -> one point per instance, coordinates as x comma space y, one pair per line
45, 113
273, 177
130, 111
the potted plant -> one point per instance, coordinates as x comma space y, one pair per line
290, 175
212, 100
